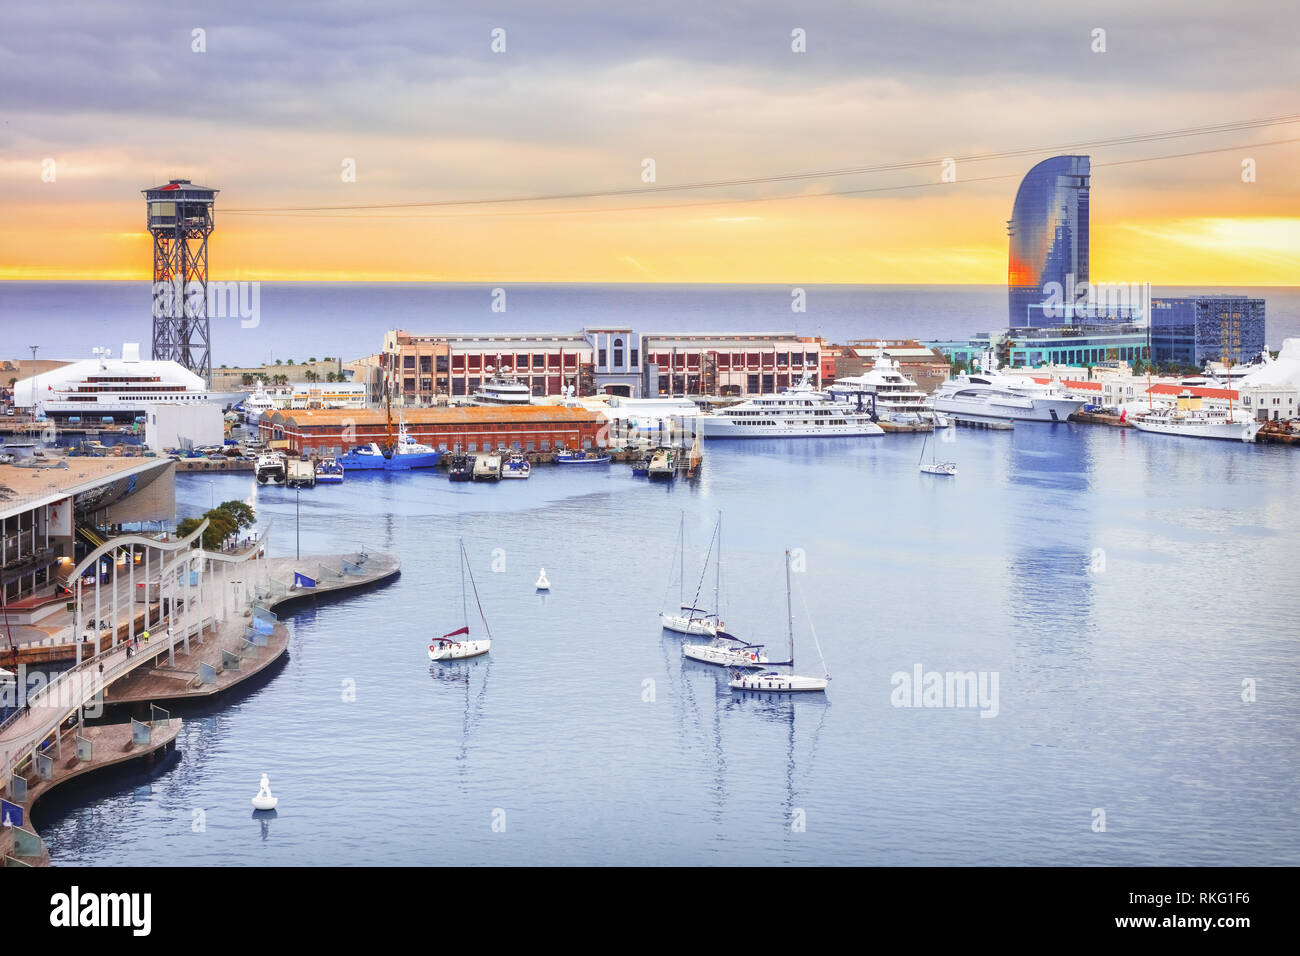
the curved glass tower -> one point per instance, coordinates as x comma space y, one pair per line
1049, 238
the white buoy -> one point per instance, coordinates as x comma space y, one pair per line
264, 800
542, 583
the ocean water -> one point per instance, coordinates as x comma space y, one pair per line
304, 320
1120, 586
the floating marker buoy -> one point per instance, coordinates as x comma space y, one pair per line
264, 800
542, 583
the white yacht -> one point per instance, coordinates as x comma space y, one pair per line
123, 390
800, 412
499, 390
896, 397
727, 651
263, 400
988, 396
1190, 419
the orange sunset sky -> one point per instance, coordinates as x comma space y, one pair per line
270, 111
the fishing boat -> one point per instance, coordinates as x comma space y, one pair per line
329, 472
690, 619
779, 682
516, 466
934, 466
487, 468
727, 650
641, 467
401, 454
461, 469
456, 645
663, 465
589, 457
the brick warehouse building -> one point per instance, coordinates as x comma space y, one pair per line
456, 428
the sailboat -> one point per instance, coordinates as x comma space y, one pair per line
776, 682
934, 466
690, 618
450, 647
727, 650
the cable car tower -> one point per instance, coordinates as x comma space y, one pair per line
180, 221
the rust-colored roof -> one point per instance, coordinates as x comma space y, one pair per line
450, 415
1195, 390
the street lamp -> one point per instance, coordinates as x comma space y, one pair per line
297, 521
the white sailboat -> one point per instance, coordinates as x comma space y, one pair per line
727, 650
777, 682
450, 647
691, 619
934, 466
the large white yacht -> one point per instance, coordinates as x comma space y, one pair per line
990, 395
800, 412
499, 390
1190, 419
123, 389
895, 396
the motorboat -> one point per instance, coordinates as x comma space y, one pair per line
329, 472
270, 469
994, 396
589, 457
500, 390
461, 468
891, 395
516, 466
799, 412
663, 465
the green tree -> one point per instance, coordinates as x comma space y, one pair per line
241, 511
312, 360
279, 362
1138, 367
290, 362
225, 520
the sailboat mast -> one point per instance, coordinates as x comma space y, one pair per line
464, 610
681, 561
388, 404
717, 574
789, 609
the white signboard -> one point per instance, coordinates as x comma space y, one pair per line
59, 522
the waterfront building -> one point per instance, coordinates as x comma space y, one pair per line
697, 363
458, 428
1193, 330
426, 368
50, 510
323, 371
616, 368
1048, 236
1078, 346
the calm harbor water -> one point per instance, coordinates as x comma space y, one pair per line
1120, 585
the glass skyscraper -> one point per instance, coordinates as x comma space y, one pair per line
1049, 238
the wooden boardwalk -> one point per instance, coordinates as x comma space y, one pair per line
112, 744
226, 658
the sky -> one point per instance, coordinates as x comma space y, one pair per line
99, 100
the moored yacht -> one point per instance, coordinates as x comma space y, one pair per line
499, 390
986, 396
1190, 419
896, 398
800, 412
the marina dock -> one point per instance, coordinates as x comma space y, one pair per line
73, 754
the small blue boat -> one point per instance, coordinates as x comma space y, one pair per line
582, 458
